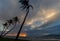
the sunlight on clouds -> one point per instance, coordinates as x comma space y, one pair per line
50, 14
42, 17
47, 15
30, 22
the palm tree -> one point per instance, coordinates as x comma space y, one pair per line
6, 25
14, 20
25, 6
9, 23
9, 30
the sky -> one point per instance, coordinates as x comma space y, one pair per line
44, 19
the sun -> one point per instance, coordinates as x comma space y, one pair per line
23, 35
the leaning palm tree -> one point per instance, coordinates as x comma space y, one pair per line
25, 6
6, 25
14, 22
9, 23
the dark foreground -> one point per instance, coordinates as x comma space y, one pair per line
8, 39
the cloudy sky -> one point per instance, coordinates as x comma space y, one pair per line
44, 19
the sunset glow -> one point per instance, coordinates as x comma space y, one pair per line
46, 16
21, 35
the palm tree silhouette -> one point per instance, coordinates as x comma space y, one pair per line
9, 23
25, 6
9, 30
13, 21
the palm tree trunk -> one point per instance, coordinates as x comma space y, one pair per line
22, 25
9, 30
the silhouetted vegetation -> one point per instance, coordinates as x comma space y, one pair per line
9, 39
12, 21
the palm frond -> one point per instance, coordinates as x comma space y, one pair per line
10, 21
15, 19
31, 6
5, 24
25, 4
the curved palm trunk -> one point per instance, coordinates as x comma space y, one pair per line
9, 30
22, 25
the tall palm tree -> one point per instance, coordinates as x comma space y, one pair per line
26, 6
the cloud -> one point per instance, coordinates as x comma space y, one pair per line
9, 9
47, 12
43, 16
